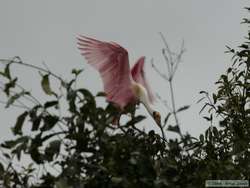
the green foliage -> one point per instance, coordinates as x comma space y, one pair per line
79, 147
46, 85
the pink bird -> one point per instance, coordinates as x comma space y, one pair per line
121, 85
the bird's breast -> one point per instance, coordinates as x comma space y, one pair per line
137, 90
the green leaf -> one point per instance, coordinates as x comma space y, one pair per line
17, 129
46, 85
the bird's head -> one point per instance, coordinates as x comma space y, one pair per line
157, 117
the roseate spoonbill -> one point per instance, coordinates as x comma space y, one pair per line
121, 85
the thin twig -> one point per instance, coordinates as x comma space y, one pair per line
17, 60
169, 61
15, 105
173, 102
179, 56
158, 71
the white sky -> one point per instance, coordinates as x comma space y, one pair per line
45, 30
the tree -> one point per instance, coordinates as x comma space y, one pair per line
82, 149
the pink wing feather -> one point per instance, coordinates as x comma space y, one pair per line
138, 75
111, 60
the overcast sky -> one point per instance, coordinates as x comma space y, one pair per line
45, 30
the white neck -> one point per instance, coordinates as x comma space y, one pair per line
145, 101
149, 108
141, 93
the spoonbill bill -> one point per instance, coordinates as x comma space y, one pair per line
121, 85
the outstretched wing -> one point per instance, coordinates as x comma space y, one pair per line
138, 75
111, 60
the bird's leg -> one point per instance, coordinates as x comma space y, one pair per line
116, 120
133, 111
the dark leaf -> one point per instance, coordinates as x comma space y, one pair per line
46, 85
202, 138
166, 118
1, 169
9, 85
101, 94
87, 95
215, 132
203, 92
17, 129
208, 118
174, 128
19, 149
34, 118
52, 149
34, 149
12, 143
76, 72
244, 46
6, 155
135, 120
49, 122
9, 144
214, 98
36, 123
183, 108
7, 71
50, 136
71, 97
50, 104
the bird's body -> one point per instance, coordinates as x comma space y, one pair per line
121, 85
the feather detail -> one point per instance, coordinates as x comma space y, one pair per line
138, 75
111, 60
